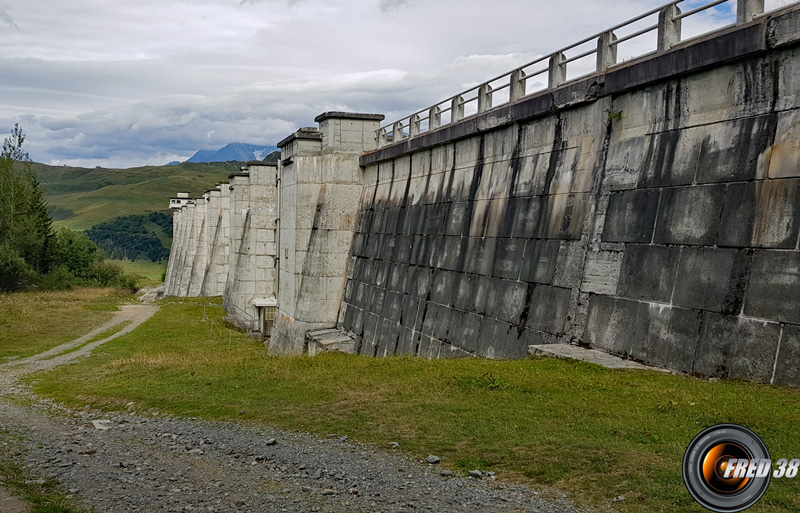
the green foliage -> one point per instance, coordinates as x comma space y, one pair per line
127, 237
31, 254
25, 224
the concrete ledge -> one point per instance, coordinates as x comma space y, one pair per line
588, 355
329, 340
310, 133
348, 115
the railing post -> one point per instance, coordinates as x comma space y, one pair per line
558, 70
434, 118
381, 137
606, 52
484, 97
517, 85
746, 10
413, 125
669, 29
397, 131
456, 109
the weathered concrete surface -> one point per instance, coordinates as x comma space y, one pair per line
251, 265
652, 211
321, 187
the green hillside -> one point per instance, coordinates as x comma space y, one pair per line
80, 197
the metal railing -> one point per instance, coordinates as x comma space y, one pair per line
480, 98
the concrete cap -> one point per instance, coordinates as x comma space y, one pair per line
261, 163
239, 173
303, 133
348, 115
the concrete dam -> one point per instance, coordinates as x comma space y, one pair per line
650, 209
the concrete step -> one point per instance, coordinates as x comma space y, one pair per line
585, 354
328, 340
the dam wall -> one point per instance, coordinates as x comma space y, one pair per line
651, 210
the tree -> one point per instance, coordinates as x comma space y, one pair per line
26, 228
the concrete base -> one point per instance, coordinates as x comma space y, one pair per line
588, 355
329, 340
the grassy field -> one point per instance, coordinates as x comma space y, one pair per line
82, 197
582, 429
33, 322
150, 272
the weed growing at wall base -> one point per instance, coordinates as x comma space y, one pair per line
591, 432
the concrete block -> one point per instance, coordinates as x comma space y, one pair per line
601, 272
480, 255
736, 348
670, 158
507, 300
777, 213
406, 342
392, 306
671, 337
784, 156
450, 351
773, 290
624, 160
539, 261
457, 222
445, 323
732, 150
370, 327
530, 217
428, 348
738, 215
648, 272
387, 339
548, 309
689, 215
424, 280
463, 293
631, 216
428, 314
410, 313
787, 367
467, 332
569, 268
494, 338
484, 295
712, 279
454, 254
443, 287
615, 324
436, 248
508, 258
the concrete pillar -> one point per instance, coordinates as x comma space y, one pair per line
606, 52
746, 10
484, 98
517, 85
251, 263
168, 280
381, 138
397, 132
320, 194
434, 118
198, 273
669, 29
456, 109
413, 125
557, 73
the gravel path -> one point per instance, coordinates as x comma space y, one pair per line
128, 462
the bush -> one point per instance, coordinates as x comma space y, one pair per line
15, 273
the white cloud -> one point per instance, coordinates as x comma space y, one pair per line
114, 84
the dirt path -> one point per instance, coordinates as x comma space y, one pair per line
127, 462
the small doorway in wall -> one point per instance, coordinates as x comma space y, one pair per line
266, 314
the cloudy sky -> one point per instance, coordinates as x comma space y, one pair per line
123, 83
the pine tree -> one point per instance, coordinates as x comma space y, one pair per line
26, 229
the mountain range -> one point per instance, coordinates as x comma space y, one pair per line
240, 152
